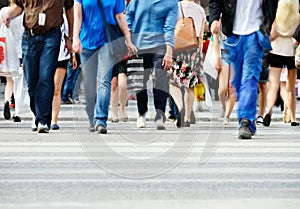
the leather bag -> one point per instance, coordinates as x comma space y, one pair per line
185, 33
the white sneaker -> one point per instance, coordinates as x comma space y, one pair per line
259, 120
160, 125
226, 120
43, 128
33, 126
141, 121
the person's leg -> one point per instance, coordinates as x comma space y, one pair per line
89, 59
176, 94
286, 116
58, 81
7, 96
223, 86
273, 87
188, 100
67, 88
231, 94
262, 98
114, 99
122, 80
76, 85
292, 76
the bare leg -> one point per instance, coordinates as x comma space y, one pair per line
231, 94
58, 80
114, 99
223, 85
177, 96
262, 86
273, 86
284, 96
122, 78
188, 99
8, 89
292, 75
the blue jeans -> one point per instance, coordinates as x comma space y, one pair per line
153, 62
70, 81
97, 70
245, 55
40, 53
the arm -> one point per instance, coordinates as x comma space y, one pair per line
120, 18
70, 17
14, 11
77, 47
215, 11
169, 28
217, 51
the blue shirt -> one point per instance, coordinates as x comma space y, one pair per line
152, 22
92, 34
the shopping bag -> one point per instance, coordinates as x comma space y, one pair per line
135, 73
210, 61
9, 61
22, 100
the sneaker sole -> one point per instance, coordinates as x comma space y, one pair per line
43, 131
244, 135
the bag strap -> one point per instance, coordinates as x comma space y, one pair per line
181, 9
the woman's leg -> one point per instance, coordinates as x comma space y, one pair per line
175, 92
188, 99
58, 81
273, 86
284, 95
223, 86
114, 99
7, 96
292, 76
122, 80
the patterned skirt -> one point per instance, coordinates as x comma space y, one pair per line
187, 69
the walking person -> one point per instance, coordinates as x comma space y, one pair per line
59, 75
153, 23
283, 54
187, 69
96, 61
246, 25
40, 48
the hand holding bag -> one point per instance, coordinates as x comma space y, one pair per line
114, 36
135, 73
185, 33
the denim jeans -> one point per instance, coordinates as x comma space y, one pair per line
40, 53
246, 53
153, 62
75, 93
70, 81
97, 74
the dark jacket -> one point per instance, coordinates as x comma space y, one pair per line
228, 7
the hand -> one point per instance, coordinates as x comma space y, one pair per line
74, 61
77, 47
6, 20
215, 27
68, 46
167, 62
131, 49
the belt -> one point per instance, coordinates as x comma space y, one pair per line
34, 32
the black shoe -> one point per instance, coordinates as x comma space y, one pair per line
66, 102
6, 112
54, 127
178, 123
244, 130
294, 124
186, 124
16, 118
101, 129
267, 120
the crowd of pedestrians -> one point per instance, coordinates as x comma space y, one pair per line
66, 40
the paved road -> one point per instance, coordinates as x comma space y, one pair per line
205, 166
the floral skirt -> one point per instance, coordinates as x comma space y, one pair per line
187, 69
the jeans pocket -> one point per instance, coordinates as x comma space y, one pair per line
264, 40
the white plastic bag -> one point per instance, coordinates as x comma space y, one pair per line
9, 61
22, 100
210, 61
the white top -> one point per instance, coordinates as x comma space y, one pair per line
193, 10
248, 17
284, 45
64, 31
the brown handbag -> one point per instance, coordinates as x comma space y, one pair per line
185, 33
